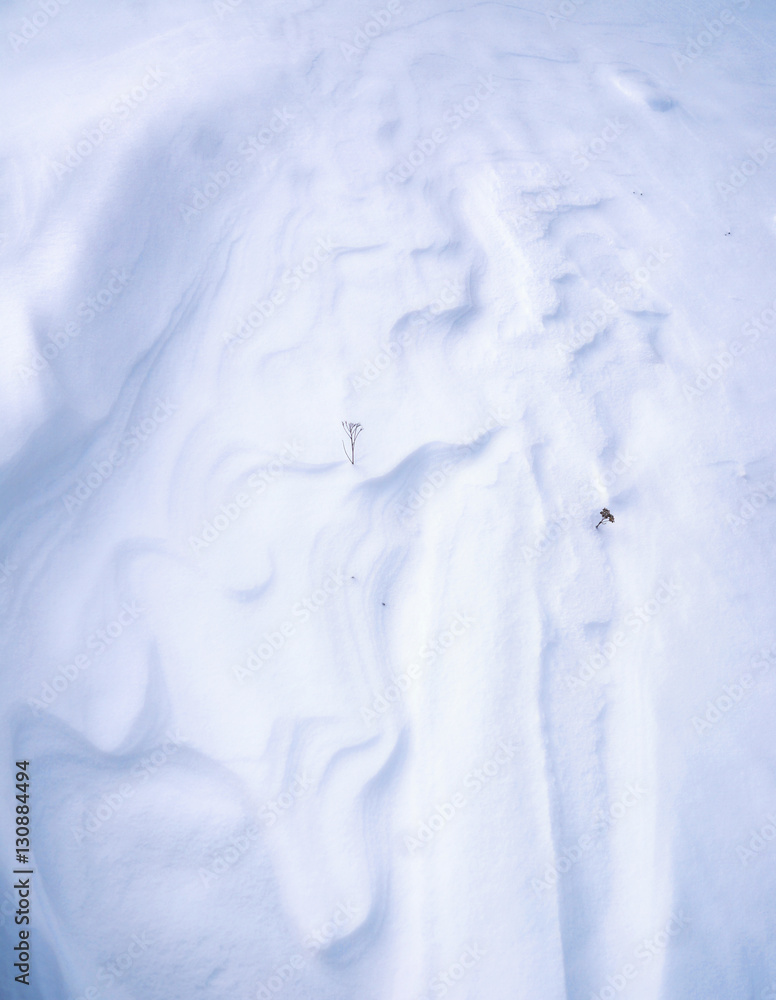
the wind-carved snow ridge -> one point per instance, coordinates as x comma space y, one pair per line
411, 726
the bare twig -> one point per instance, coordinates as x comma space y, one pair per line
352, 431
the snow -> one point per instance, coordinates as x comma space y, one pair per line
413, 727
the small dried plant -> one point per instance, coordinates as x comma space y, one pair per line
606, 515
352, 431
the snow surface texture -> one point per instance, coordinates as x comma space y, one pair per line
410, 728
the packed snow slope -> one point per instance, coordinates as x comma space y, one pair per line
412, 727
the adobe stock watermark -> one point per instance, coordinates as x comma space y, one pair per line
448, 298
370, 29
448, 978
595, 148
227, 857
386, 356
111, 973
291, 281
453, 119
300, 612
111, 802
340, 923
734, 693
96, 644
474, 782
32, 26
274, 809
759, 841
429, 653
247, 151
747, 168
87, 311
712, 372
604, 820
635, 620
548, 201
578, 508
751, 331
121, 109
258, 482
755, 501
711, 31
593, 322
626, 286
652, 946
103, 468
434, 480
